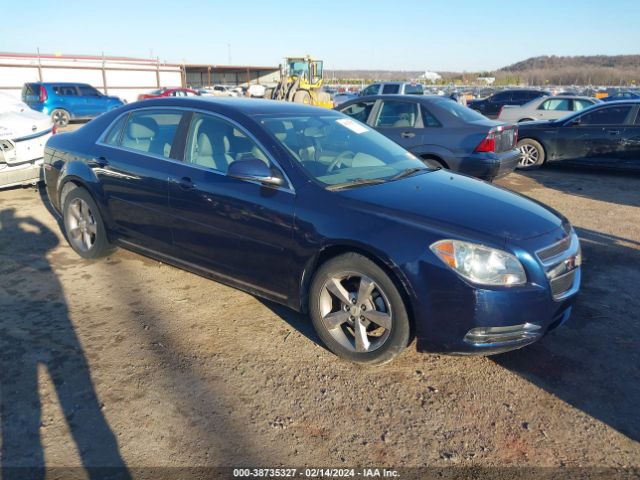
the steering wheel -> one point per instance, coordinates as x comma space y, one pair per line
339, 159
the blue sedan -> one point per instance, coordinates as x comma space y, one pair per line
314, 210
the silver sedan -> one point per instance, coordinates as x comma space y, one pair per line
545, 108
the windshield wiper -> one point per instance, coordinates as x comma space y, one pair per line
407, 172
356, 182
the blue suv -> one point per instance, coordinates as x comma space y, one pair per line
66, 101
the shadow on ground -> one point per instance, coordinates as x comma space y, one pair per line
593, 361
37, 335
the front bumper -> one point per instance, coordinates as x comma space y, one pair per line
453, 316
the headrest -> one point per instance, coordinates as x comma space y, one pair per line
278, 130
143, 128
205, 148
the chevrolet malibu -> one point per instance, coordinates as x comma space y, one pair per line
314, 210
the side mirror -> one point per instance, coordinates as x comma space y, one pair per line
255, 170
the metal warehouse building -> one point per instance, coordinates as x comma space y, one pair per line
122, 76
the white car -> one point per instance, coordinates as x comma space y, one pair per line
23, 135
256, 90
545, 108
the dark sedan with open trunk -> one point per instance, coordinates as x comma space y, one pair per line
441, 132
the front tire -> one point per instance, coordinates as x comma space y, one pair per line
532, 154
60, 117
357, 310
83, 225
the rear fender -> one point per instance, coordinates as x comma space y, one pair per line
436, 151
77, 171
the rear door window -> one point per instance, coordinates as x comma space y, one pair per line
428, 120
151, 131
579, 104
65, 90
416, 89
614, 115
397, 115
501, 97
113, 135
556, 104
360, 111
371, 89
88, 91
391, 88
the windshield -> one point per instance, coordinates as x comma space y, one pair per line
338, 150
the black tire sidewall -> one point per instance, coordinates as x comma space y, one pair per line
400, 331
101, 247
541, 154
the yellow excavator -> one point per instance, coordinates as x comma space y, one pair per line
301, 81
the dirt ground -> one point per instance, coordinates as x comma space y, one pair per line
127, 361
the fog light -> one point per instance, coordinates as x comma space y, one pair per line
513, 333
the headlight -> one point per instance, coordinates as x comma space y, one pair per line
480, 264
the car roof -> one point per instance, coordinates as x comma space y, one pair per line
63, 84
247, 106
411, 97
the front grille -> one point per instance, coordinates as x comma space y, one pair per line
562, 284
554, 250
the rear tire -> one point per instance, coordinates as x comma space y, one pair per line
358, 311
532, 154
302, 96
83, 225
60, 117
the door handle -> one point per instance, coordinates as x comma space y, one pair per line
185, 183
99, 162
613, 132
407, 134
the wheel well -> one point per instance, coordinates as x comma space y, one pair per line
336, 250
431, 156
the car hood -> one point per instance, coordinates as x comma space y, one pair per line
457, 203
17, 124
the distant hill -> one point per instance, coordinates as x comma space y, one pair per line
553, 70
546, 62
582, 70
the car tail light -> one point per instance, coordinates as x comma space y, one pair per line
43, 94
488, 143
54, 130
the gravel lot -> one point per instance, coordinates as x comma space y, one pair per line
130, 361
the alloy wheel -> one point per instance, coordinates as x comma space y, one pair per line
529, 155
356, 312
82, 225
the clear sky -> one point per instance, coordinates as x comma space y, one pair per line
359, 34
